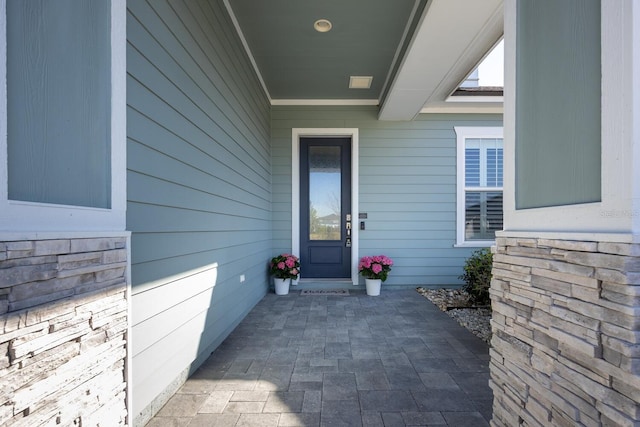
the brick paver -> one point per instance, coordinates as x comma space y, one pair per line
308, 360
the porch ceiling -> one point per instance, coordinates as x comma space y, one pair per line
417, 51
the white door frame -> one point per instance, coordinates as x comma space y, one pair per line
296, 134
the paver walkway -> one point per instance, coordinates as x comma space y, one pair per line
301, 360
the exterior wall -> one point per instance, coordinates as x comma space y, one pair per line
558, 164
199, 189
619, 206
565, 349
566, 278
57, 74
63, 325
407, 187
65, 131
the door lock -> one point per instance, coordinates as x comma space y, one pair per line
348, 242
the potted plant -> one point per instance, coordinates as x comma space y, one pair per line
284, 267
375, 270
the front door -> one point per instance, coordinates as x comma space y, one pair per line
325, 207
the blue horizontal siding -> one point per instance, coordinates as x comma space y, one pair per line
199, 187
407, 187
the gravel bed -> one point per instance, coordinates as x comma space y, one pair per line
455, 302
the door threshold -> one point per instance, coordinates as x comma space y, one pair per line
321, 284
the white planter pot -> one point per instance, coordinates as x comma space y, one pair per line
281, 285
373, 286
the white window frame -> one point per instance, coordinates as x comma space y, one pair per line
20, 216
463, 133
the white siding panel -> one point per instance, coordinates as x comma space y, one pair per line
199, 188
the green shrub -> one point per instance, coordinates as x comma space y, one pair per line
477, 276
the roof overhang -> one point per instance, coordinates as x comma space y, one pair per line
451, 39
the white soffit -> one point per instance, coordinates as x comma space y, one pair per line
451, 39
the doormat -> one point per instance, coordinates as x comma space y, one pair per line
343, 292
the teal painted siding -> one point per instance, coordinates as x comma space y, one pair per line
199, 188
558, 154
407, 187
59, 102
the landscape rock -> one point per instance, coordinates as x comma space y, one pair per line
456, 303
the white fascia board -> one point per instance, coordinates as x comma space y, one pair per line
476, 99
463, 108
403, 105
446, 46
325, 102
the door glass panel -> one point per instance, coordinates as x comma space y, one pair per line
324, 193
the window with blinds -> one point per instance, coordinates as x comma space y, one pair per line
480, 165
483, 188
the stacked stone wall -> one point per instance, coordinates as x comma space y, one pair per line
566, 333
63, 325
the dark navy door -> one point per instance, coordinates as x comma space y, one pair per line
325, 207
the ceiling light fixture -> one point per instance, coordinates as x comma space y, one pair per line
322, 25
360, 82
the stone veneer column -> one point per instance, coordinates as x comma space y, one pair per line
63, 325
566, 333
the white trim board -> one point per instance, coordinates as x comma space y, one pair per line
296, 133
329, 102
462, 108
462, 134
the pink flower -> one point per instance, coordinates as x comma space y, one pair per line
380, 259
375, 267
284, 266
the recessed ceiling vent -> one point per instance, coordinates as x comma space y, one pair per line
360, 82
